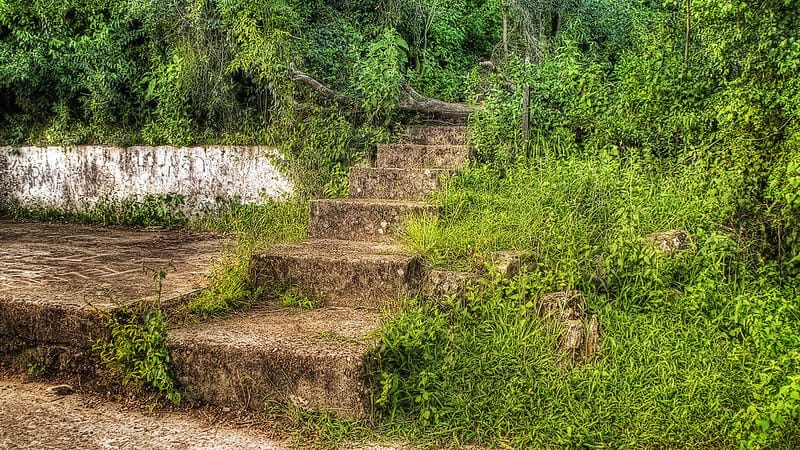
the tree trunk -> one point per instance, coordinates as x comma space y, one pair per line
411, 101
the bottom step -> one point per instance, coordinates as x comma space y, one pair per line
311, 360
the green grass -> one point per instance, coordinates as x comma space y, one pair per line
163, 210
701, 349
255, 227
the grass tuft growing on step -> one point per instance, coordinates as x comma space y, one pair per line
255, 227
135, 349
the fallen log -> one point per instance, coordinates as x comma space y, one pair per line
411, 100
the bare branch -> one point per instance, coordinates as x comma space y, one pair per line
412, 100
297, 75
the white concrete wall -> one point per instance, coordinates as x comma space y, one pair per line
75, 178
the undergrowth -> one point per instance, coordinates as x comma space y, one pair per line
255, 227
164, 210
136, 348
700, 347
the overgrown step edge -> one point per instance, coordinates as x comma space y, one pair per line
339, 272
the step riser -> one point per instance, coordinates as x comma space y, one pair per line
51, 324
395, 184
266, 377
412, 156
436, 135
276, 357
339, 282
332, 219
56, 337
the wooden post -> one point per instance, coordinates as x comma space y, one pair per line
526, 116
505, 33
688, 31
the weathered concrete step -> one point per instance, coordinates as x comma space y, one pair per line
394, 183
48, 334
57, 281
416, 156
363, 219
436, 134
339, 273
311, 360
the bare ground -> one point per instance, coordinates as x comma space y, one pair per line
33, 418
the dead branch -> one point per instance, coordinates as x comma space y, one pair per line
327, 92
412, 101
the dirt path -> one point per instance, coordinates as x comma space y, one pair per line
33, 418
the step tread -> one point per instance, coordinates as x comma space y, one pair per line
363, 219
403, 170
429, 134
375, 202
422, 156
423, 146
339, 272
325, 331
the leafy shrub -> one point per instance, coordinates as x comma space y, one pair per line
137, 351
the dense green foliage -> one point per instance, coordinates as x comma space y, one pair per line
197, 71
700, 350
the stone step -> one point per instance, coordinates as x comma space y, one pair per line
417, 156
273, 356
339, 273
394, 183
435, 134
59, 281
363, 219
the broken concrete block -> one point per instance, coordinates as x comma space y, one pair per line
669, 242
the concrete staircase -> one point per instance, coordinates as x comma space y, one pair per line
318, 359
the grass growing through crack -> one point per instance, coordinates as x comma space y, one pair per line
255, 227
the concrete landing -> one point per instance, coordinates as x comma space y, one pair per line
52, 276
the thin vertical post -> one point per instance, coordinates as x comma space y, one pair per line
526, 116
688, 31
